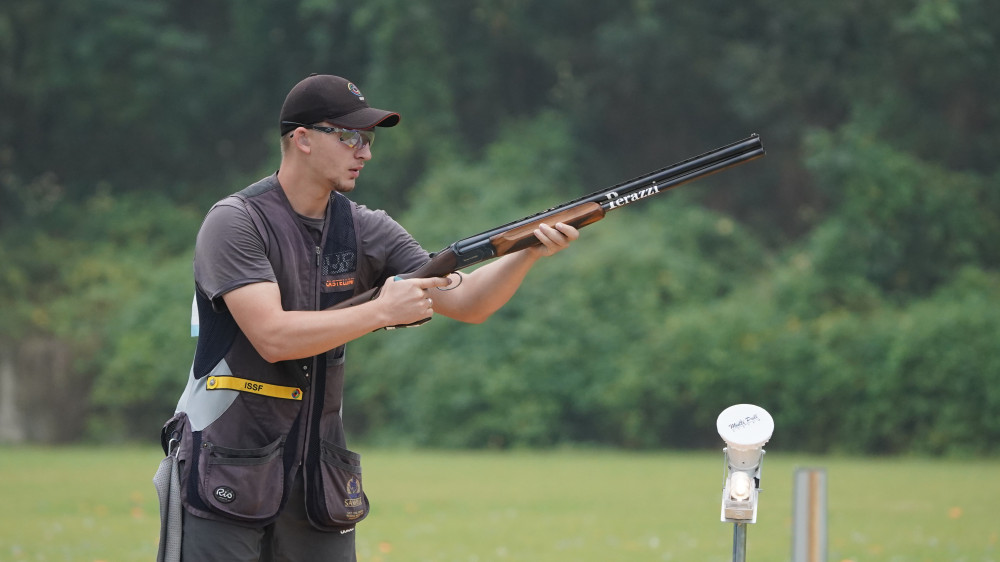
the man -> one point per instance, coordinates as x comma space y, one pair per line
265, 473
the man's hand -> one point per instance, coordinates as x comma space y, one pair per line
553, 239
405, 301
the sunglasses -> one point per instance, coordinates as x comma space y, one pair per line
351, 137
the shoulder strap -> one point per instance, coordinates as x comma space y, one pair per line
258, 188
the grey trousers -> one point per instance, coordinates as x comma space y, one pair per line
289, 539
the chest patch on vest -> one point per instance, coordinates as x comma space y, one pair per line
339, 262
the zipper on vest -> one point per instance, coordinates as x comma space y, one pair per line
319, 256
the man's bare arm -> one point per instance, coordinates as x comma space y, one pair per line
279, 334
488, 288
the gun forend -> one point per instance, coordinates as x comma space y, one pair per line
522, 236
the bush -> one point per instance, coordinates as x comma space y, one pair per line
901, 224
144, 363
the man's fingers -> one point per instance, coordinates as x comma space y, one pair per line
409, 300
556, 238
570, 232
429, 282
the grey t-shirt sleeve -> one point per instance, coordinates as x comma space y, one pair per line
389, 248
229, 253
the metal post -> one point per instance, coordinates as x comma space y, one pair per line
739, 542
809, 516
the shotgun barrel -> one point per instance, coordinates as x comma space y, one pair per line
518, 235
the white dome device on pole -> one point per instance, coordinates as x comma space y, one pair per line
745, 428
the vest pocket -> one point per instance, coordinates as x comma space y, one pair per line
338, 498
245, 484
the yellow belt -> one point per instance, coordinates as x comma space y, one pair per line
245, 385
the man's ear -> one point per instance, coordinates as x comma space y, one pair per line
301, 141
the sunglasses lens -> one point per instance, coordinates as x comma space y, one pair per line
357, 139
367, 138
350, 138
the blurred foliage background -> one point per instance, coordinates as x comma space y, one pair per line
848, 282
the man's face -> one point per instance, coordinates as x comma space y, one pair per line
337, 161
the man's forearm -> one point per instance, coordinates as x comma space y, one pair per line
279, 334
491, 286
486, 289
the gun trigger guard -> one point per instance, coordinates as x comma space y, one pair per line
451, 288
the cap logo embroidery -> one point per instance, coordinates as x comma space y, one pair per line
354, 90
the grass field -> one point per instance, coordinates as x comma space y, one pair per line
93, 504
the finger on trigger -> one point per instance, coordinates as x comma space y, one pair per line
429, 282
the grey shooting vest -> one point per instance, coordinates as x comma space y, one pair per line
246, 426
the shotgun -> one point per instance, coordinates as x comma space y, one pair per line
518, 235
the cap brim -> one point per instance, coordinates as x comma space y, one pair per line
366, 119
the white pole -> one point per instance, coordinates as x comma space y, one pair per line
809, 516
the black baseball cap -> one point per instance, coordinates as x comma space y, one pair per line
324, 97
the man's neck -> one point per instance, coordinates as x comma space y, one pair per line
307, 199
